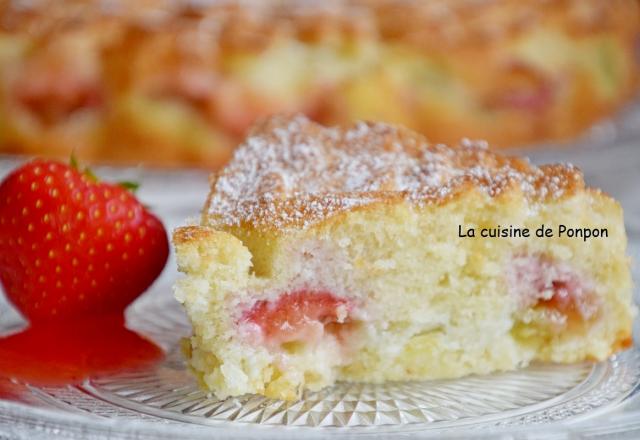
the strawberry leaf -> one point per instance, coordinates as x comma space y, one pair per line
129, 185
73, 161
90, 174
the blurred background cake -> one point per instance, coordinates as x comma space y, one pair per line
177, 83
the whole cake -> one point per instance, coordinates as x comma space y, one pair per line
176, 82
329, 254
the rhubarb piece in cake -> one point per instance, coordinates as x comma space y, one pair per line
329, 254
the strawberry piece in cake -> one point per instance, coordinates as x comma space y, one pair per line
300, 316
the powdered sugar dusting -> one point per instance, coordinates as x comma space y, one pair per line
293, 172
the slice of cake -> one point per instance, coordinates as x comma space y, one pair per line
329, 254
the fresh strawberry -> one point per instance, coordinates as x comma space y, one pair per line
71, 246
298, 316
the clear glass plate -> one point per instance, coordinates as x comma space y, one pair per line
539, 395
542, 401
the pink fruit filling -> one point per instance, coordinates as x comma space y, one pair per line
523, 88
531, 100
539, 282
301, 316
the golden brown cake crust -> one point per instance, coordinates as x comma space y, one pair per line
291, 172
